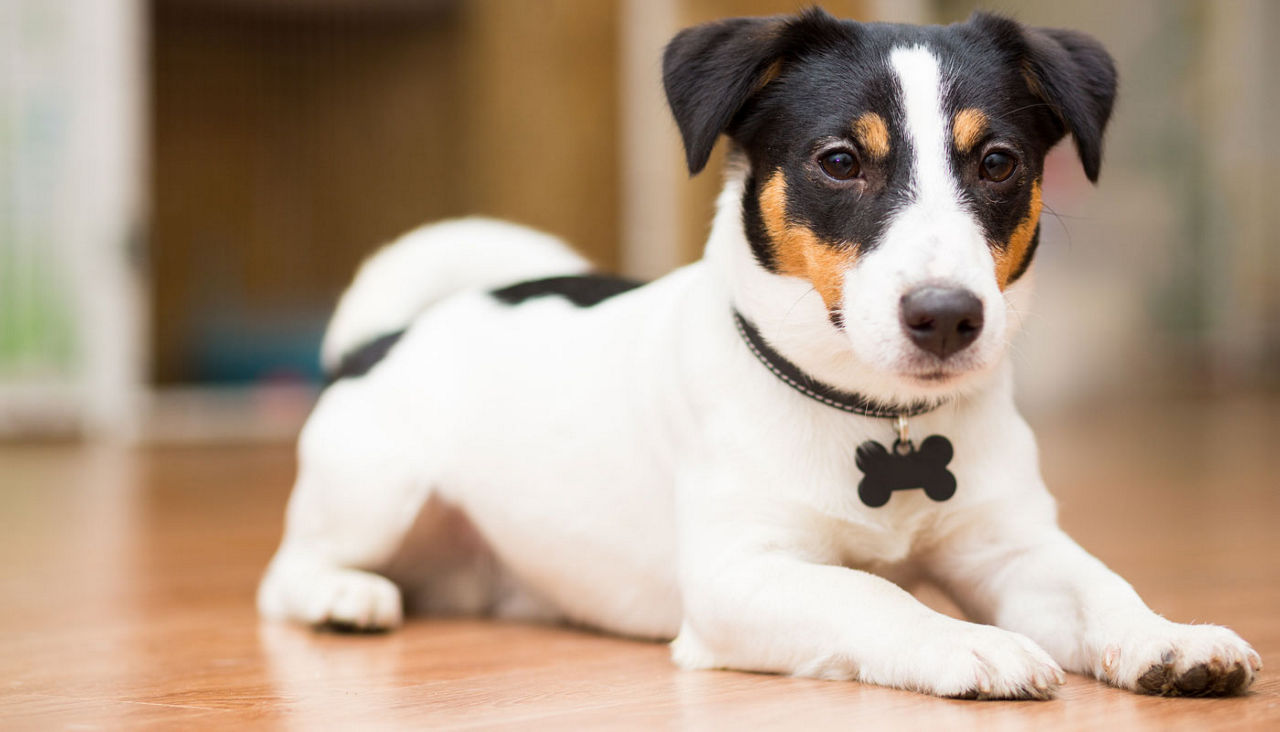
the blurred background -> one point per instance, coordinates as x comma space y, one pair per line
188, 184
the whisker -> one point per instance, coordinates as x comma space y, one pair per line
1022, 109
803, 295
1061, 222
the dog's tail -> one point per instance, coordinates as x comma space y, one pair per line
426, 265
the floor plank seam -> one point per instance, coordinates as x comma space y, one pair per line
117, 700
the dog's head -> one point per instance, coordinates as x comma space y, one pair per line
895, 170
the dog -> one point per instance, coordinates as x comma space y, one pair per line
510, 433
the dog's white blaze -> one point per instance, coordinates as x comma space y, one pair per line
932, 238
926, 127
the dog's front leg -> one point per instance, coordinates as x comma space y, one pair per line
1031, 578
757, 597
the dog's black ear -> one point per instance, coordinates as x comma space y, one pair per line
1076, 76
1071, 72
708, 72
711, 70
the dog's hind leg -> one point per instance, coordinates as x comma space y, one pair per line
324, 573
439, 566
360, 490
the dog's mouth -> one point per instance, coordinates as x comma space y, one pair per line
934, 380
935, 377
936, 373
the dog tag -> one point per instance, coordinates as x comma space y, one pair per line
905, 467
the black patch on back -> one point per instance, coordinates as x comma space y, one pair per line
360, 361
581, 290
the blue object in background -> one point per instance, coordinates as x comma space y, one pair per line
242, 348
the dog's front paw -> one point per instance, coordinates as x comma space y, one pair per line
1181, 660
984, 662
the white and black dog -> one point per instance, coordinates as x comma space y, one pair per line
702, 458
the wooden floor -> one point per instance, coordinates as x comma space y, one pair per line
127, 577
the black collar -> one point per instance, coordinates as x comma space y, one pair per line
792, 376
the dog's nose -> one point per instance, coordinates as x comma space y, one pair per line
941, 320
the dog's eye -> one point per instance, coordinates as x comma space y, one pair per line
840, 165
998, 166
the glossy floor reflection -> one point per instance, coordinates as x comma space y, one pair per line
127, 581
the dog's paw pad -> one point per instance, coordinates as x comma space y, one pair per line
1186, 660
1203, 679
1158, 679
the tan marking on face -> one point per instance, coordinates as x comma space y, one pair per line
873, 134
1010, 258
772, 72
1037, 90
800, 252
968, 128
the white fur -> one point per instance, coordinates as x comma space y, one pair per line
632, 467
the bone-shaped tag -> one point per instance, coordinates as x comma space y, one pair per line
885, 471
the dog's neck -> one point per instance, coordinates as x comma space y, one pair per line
796, 378
791, 316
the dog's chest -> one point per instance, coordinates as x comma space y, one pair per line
854, 535
827, 512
